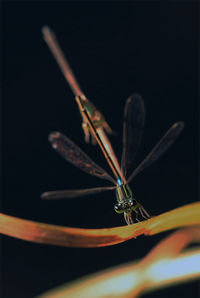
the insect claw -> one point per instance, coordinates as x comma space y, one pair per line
137, 219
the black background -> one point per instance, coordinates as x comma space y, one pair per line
115, 49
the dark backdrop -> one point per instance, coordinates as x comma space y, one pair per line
115, 49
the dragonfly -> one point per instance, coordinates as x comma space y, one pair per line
134, 117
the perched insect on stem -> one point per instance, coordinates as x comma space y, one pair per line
134, 114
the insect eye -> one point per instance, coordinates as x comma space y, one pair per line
118, 208
134, 205
131, 203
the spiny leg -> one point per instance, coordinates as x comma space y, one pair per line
144, 213
128, 218
137, 214
86, 132
108, 128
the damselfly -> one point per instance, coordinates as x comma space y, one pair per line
134, 114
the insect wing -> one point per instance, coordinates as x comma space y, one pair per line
73, 193
72, 153
166, 141
134, 117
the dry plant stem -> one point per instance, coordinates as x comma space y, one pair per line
132, 279
126, 281
168, 250
173, 244
75, 237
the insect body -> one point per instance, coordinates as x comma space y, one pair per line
132, 132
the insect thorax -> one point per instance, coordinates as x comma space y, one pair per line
125, 201
123, 193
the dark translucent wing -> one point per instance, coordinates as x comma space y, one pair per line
134, 116
72, 153
73, 193
166, 141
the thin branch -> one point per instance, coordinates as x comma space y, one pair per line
164, 266
188, 215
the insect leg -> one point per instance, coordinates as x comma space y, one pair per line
144, 213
